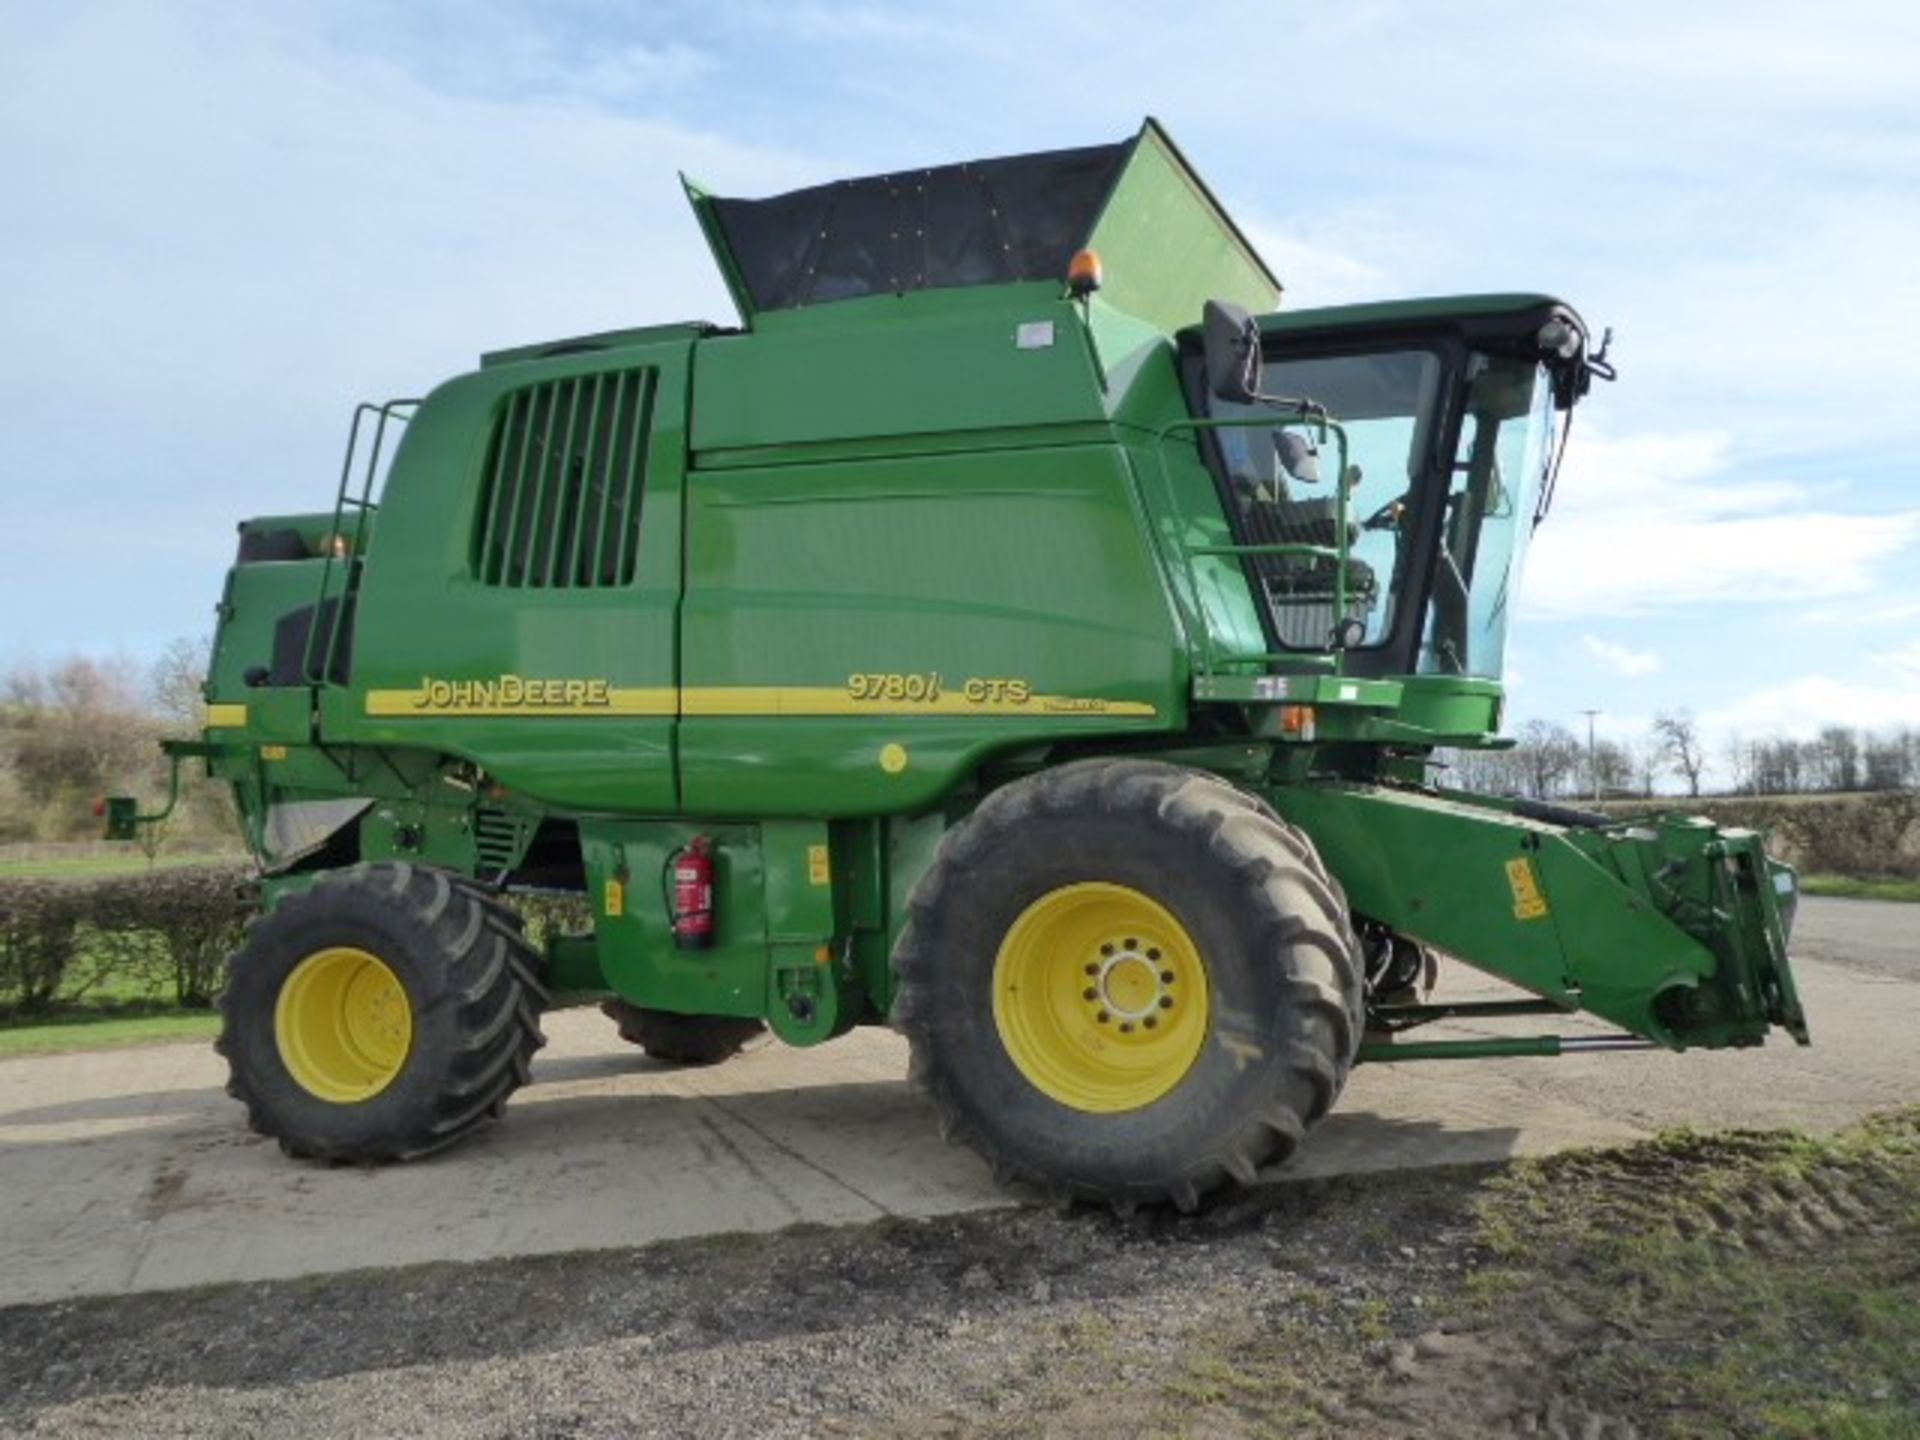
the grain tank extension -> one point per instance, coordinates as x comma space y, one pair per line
1018, 629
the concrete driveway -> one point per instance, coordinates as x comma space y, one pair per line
131, 1170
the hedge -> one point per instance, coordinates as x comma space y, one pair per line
1864, 836
164, 936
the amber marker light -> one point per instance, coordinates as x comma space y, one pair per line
1083, 273
1296, 722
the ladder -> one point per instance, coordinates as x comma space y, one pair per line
332, 605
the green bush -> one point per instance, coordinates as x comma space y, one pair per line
549, 915
164, 935
160, 937
196, 914
39, 928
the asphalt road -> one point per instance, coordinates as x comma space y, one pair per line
131, 1170
1881, 937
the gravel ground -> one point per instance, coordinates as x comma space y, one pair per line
811, 1331
1685, 1287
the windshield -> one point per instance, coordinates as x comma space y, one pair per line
1384, 402
1507, 440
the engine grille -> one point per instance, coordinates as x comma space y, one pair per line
565, 476
499, 838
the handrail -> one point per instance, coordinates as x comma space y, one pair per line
1312, 552
1339, 554
363, 504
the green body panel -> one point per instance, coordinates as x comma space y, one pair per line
894, 366
627, 883
1619, 921
890, 553
423, 614
1167, 245
781, 904
1398, 312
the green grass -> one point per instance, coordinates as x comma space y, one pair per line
103, 1030
101, 865
1851, 888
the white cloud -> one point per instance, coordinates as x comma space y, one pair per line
1905, 660
1801, 706
1621, 659
1881, 610
220, 235
1314, 272
1661, 521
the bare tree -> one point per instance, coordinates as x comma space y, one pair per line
178, 687
1548, 756
1740, 764
1679, 740
1647, 762
1889, 761
81, 729
1612, 767
1840, 754
178, 683
85, 727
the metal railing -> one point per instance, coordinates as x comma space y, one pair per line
1339, 553
317, 669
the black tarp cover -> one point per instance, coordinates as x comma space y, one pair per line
985, 222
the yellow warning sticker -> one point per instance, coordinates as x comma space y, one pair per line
1528, 902
819, 872
616, 899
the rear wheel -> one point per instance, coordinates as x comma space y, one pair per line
682, 1039
1130, 982
381, 1014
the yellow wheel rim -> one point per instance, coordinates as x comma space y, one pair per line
1100, 997
344, 1025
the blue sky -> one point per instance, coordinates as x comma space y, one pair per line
221, 225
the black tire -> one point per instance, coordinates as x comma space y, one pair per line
469, 977
1269, 922
682, 1039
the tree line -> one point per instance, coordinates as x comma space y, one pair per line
1549, 761
81, 728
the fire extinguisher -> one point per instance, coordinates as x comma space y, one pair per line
693, 895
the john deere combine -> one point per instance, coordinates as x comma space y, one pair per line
1015, 629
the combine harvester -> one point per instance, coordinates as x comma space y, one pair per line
1014, 629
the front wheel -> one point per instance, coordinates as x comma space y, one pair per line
381, 1014
1129, 982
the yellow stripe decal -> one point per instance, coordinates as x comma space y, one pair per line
226, 717
514, 695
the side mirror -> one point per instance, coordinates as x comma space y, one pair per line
1233, 352
1297, 456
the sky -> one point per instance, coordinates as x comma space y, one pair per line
222, 225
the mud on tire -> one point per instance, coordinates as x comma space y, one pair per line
1271, 927
470, 979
